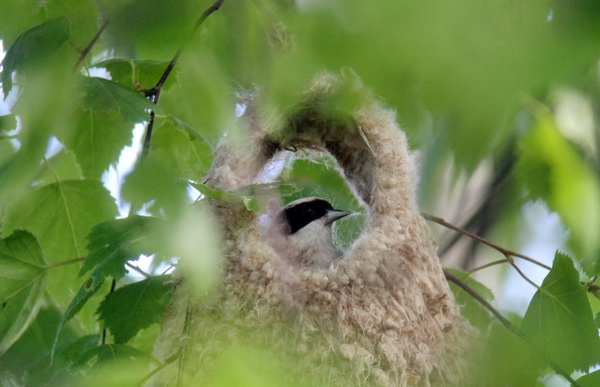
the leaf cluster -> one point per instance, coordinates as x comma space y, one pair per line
100, 162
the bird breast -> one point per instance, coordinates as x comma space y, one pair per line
312, 246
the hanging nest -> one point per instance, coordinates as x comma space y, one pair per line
382, 315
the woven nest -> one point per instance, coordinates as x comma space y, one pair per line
382, 315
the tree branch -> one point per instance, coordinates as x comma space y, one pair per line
504, 251
153, 94
91, 44
508, 325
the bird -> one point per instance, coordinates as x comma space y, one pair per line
307, 228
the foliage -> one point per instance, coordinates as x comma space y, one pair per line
474, 83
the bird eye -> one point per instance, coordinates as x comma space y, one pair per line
309, 211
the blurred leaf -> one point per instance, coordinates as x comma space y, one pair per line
127, 368
243, 365
135, 306
203, 95
249, 202
60, 215
22, 284
136, 72
553, 171
153, 181
61, 166
32, 48
29, 357
45, 101
102, 95
476, 313
150, 28
110, 353
7, 122
181, 148
591, 264
560, 321
502, 360
470, 67
195, 239
98, 139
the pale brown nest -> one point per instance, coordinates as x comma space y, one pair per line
383, 315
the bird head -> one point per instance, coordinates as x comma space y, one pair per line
307, 226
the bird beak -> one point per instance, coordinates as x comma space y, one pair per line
333, 215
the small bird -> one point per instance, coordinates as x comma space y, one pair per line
307, 226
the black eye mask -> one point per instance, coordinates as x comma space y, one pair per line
302, 214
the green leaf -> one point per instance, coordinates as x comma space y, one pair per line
135, 306
102, 95
476, 313
33, 48
590, 380
179, 147
137, 72
113, 243
61, 215
98, 139
22, 284
559, 319
553, 171
219, 195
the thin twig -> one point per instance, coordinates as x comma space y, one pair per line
501, 249
153, 94
487, 265
514, 265
160, 367
113, 286
510, 327
90, 45
133, 267
184, 347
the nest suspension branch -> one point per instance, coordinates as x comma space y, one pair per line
381, 315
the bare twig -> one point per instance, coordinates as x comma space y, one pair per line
88, 48
153, 94
487, 265
452, 278
501, 249
159, 368
514, 265
133, 267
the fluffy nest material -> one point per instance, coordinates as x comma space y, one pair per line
382, 315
